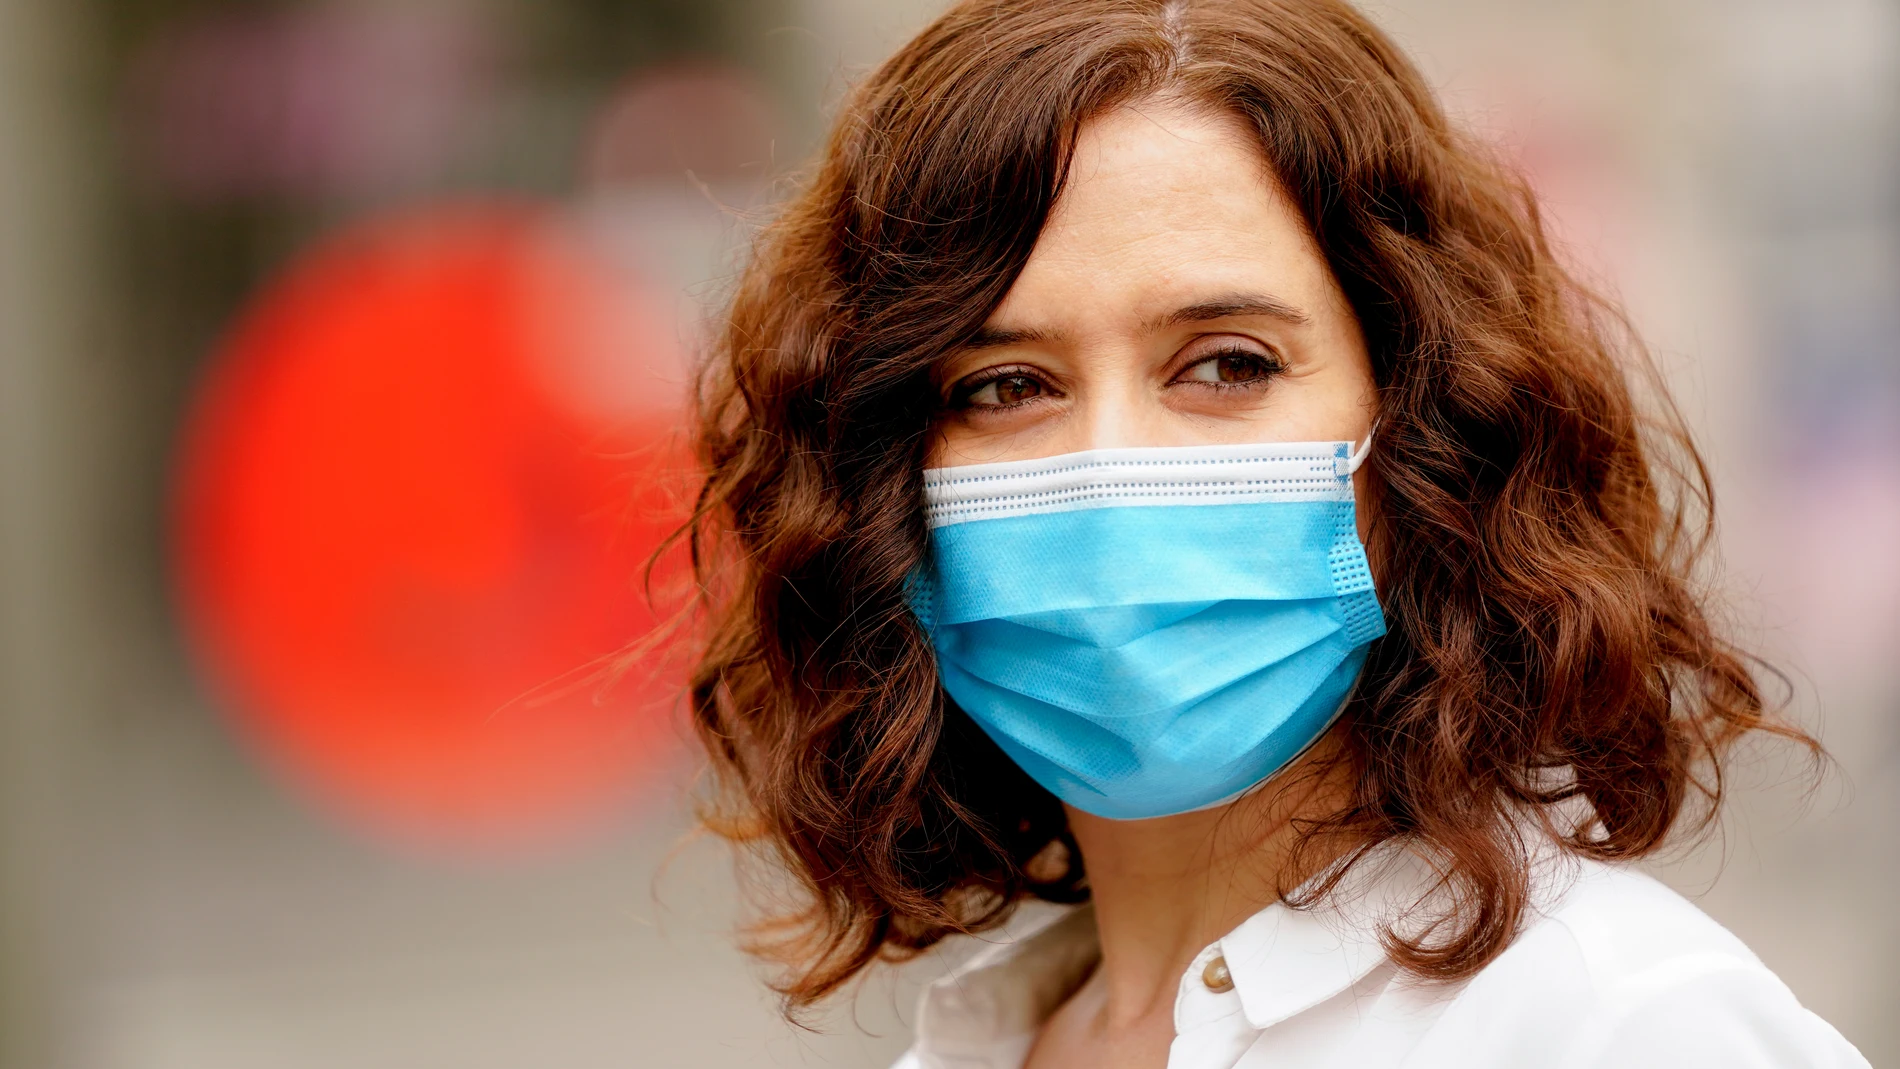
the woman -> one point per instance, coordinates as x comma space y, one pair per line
1157, 463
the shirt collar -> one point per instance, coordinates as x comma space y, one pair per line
1282, 961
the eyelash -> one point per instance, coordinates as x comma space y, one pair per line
1271, 368
960, 393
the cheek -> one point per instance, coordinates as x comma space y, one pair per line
954, 442
937, 451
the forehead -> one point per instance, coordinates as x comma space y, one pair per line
1164, 204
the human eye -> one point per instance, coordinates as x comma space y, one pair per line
1232, 367
996, 388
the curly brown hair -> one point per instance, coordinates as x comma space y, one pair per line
1547, 655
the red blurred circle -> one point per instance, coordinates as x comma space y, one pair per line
414, 498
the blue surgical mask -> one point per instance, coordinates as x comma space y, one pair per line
1150, 631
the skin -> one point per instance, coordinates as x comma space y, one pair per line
1175, 297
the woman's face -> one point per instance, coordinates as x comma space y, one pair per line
1175, 297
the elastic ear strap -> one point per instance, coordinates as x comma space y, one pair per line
1359, 455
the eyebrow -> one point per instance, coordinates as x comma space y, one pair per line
988, 337
1227, 306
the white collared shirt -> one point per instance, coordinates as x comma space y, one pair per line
1614, 970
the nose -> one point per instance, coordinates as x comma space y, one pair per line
1118, 408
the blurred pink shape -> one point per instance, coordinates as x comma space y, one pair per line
1840, 562
319, 102
711, 123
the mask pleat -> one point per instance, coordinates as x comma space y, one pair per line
1162, 670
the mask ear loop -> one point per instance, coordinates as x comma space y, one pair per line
1359, 454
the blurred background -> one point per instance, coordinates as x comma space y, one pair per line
341, 349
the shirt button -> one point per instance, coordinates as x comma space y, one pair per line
1215, 976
